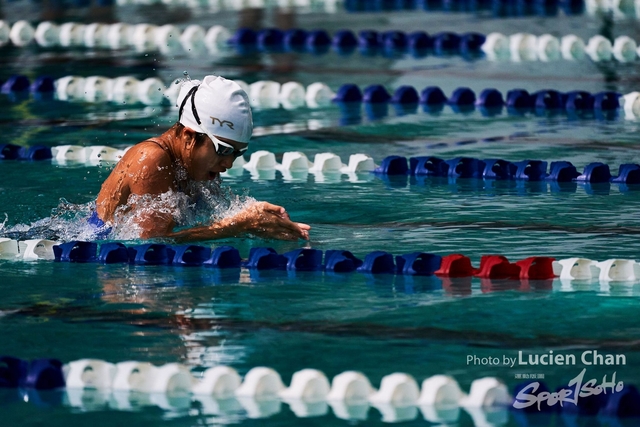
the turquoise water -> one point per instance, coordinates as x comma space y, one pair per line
290, 321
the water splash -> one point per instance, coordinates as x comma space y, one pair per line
68, 221
199, 204
183, 80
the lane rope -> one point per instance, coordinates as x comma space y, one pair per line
295, 163
169, 39
267, 94
93, 384
537, 268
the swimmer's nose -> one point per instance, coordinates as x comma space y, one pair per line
227, 161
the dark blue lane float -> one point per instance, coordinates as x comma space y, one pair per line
375, 94
418, 264
378, 262
295, 39
465, 167
370, 41
341, 261
113, 253
304, 260
190, 255
627, 174
40, 374
17, 152
594, 173
224, 257
265, 259
499, 169
393, 165
150, 254
490, 101
9, 151
76, 251
528, 170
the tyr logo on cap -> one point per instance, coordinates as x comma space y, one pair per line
222, 122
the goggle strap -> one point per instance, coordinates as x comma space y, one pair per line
191, 93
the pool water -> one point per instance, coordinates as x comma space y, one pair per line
376, 324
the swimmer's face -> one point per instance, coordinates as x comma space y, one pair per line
206, 164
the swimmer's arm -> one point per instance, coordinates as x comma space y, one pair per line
261, 219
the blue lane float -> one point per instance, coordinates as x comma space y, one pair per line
432, 95
418, 264
9, 151
490, 98
40, 374
339, 261
15, 83
295, 39
627, 174
499, 8
578, 100
344, 39
224, 257
548, 100
348, 93
35, 152
529, 170
562, 171
378, 262
190, 255
405, 95
270, 38
465, 167
446, 42
304, 260
150, 254
265, 259
462, 97
498, 169
375, 94
420, 42
623, 404
12, 371
318, 40
76, 251
113, 253
393, 165
428, 165
594, 173
519, 99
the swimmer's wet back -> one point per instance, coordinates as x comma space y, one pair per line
463, 252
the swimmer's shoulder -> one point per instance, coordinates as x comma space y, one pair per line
149, 152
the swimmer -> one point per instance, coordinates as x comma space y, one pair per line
213, 129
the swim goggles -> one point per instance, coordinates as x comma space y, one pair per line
222, 148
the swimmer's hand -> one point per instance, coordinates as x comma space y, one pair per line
269, 221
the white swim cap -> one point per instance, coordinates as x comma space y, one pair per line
217, 107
